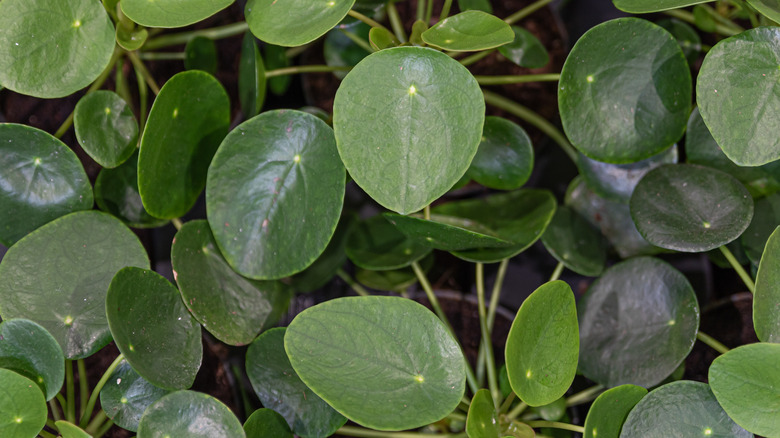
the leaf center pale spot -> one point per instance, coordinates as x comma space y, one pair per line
107, 110
708, 431
671, 322
412, 90
589, 78
131, 347
123, 400
528, 374
297, 158
68, 320
419, 378
37, 161
18, 420
77, 24
175, 113
706, 224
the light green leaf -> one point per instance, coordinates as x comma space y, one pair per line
378, 245
171, 13
200, 53
645, 6
251, 77
28, 349
265, 423
482, 421
127, 395
131, 39
70, 430
610, 409
526, 50
105, 127
189, 414
505, 157
469, 31
381, 38
766, 301
770, 8
575, 243
294, 22
22, 408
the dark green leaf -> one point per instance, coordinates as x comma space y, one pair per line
70, 430
644, 6
153, 329
505, 156
552, 411
274, 193
200, 53
381, 38
41, 179
384, 133
394, 279
766, 311
279, 388
447, 233
251, 77
127, 395
294, 22
52, 48
703, 19
766, 217
416, 378
265, 423
526, 50
641, 308
131, 39
609, 411
575, 243
469, 31
690, 208
58, 275
378, 245
324, 268
625, 91
188, 120
28, 349
770, 8
686, 37
189, 414
276, 58
171, 13
340, 51
232, 308
105, 127
22, 408
482, 421
479, 5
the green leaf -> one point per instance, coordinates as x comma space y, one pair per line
381, 38
189, 414
766, 311
770, 8
265, 423
171, 13
127, 395
279, 388
482, 421
686, 36
703, 19
274, 193
153, 329
526, 50
340, 51
690, 208
416, 378
625, 91
680, 409
554, 411
447, 233
232, 308
378, 245
105, 127
575, 243
131, 39
28, 349
610, 409
469, 31
22, 408
276, 58
294, 22
200, 53
746, 382
70, 430
645, 6
328, 263
766, 217
741, 73
41, 179
383, 131
505, 156
394, 279
63, 286
188, 120
543, 343
637, 309
251, 77
479, 5
53, 48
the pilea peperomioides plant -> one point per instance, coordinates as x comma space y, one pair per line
408, 127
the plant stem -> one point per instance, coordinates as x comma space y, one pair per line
532, 118
507, 402
688, 16
557, 272
214, 33
98, 387
429, 12
486, 341
96, 422
177, 223
471, 59
421, 9
366, 19
395, 21
360, 290
584, 396
526, 11
55, 411
143, 101
50, 423
141, 68
517, 79
292, 52
161, 56
445, 9
709, 340
522, 406
556, 425
45, 434
305, 69
363, 44
237, 374
104, 429
63, 403
83, 386
491, 315
427, 212
366, 433
740, 270
70, 393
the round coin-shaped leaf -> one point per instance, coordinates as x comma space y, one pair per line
279, 388
770, 8
416, 378
378, 245
469, 31
526, 50
153, 329
171, 13
126, 396
266, 423
41, 179
294, 22
22, 407
232, 308
251, 77
70, 430
105, 127
482, 421
639, 308
739, 97
625, 91
645, 6
505, 156
690, 208
383, 116
766, 311
680, 409
609, 411
28, 349
58, 275
274, 193
189, 414
131, 39
52, 48
188, 120
575, 243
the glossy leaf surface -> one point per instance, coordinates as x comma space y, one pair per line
70, 430
63, 287
575, 243
469, 31
251, 77
378, 245
766, 300
188, 120
105, 127
294, 22
525, 50
625, 91
637, 309
171, 13
505, 156
126, 396
383, 130
610, 409
190, 414
131, 39
766, 217
446, 232
22, 408
770, 8
645, 6
381, 39
274, 193
265, 423
416, 378
153, 329
200, 53
28, 349
482, 421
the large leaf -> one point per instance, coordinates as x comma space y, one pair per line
505, 156
52, 48
746, 382
482, 421
105, 127
171, 13
609, 411
187, 122
415, 378
770, 8
58, 275
266, 423
189, 414
625, 91
28, 349
294, 22
382, 117
680, 409
690, 208
251, 77
645, 6
274, 193
153, 329
766, 301
232, 308
575, 243
739, 95
279, 388
41, 179
638, 309
469, 31
127, 395
22, 408
378, 245
543, 345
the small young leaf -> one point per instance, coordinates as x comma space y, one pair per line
418, 28
381, 38
294, 22
171, 13
505, 156
378, 245
105, 127
482, 421
645, 6
475, 5
394, 279
469, 31
131, 39
251, 77
703, 19
526, 50
276, 58
127, 395
609, 411
341, 51
575, 243
28, 349
189, 414
447, 233
770, 8
200, 53
22, 408
766, 312
266, 423
70, 430
328, 263
554, 411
